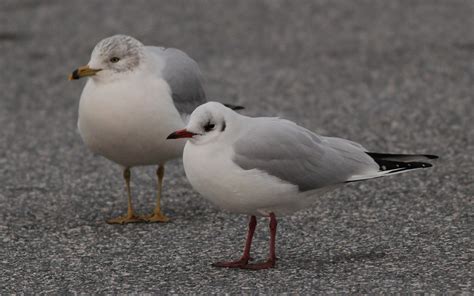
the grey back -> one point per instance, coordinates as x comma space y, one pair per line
184, 78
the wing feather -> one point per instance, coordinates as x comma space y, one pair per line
298, 156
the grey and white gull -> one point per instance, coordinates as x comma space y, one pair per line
135, 97
273, 167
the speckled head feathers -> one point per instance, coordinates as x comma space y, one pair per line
118, 54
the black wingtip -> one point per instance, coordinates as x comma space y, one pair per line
400, 157
234, 107
400, 162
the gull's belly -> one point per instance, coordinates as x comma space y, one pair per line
129, 125
213, 174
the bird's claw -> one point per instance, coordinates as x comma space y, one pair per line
270, 263
126, 219
157, 218
232, 264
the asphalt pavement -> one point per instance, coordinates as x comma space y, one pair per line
396, 76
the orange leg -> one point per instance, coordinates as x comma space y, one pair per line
157, 215
130, 217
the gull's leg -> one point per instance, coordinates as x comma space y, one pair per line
246, 256
270, 263
158, 216
130, 217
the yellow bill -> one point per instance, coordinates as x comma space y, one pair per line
83, 72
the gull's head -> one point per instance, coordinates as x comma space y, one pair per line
111, 58
208, 123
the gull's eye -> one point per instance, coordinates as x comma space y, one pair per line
114, 59
209, 127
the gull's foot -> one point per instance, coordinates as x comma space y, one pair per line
126, 219
270, 263
232, 264
157, 218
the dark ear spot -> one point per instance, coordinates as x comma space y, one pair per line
223, 127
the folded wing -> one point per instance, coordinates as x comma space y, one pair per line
300, 157
184, 78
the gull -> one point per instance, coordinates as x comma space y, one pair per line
273, 167
135, 97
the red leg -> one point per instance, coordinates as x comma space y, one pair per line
270, 263
246, 256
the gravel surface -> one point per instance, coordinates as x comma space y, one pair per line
396, 76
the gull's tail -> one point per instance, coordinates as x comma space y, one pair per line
391, 164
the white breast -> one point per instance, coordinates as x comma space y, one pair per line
212, 173
127, 121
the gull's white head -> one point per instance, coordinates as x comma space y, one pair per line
208, 123
112, 58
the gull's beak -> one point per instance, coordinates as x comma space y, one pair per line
83, 72
180, 134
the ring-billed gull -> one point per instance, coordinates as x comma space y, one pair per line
135, 97
270, 166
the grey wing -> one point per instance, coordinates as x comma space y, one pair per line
184, 78
298, 156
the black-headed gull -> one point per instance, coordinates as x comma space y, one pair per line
271, 167
136, 96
